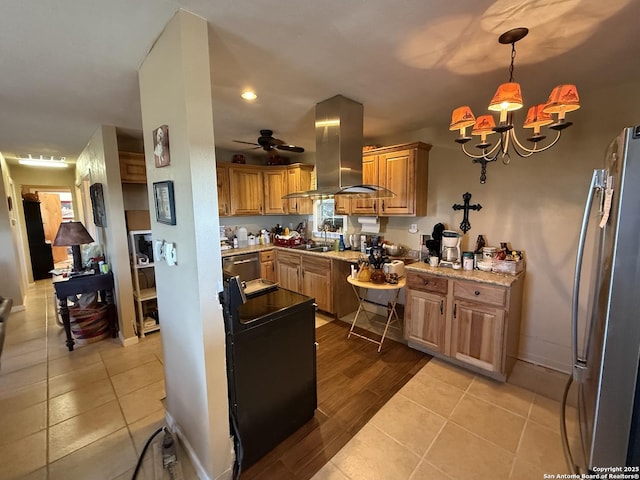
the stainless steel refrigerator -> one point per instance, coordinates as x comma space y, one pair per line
606, 313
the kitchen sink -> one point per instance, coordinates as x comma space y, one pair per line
310, 248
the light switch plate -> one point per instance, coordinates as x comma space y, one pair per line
170, 254
158, 250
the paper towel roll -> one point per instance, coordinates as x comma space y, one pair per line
369, 224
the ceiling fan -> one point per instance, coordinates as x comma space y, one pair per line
268, 143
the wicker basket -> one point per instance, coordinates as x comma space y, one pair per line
89, 325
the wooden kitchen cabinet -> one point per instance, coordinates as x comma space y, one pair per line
306, 274
476, 335
222, 175
316, 281
275, 187
299, 180
367, 206
132, 167
470, 323
288, 269
258, 190
268, 265
426, 303
311, 275
402, 169
246, 190
341, 205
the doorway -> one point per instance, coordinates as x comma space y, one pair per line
56, 206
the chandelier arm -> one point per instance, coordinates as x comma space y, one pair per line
530, 151
486, 155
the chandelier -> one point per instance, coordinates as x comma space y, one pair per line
508, 98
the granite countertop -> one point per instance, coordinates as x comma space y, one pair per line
352, 256
502, 279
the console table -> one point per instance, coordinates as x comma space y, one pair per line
71, 286
393, 315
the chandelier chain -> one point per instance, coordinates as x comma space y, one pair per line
513, 57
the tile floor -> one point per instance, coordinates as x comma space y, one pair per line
87, 414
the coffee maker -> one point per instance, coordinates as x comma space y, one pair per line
450, 252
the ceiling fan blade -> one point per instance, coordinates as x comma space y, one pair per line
290, 148
248, 143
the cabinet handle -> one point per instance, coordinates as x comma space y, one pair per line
426, 282
441, 307
374, 205
383, 205
455, 308
303, 273
476, 293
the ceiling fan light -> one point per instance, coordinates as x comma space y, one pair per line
537, 117
563, 98
484, 125
508, 97
461, 118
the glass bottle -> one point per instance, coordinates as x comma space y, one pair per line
341, 246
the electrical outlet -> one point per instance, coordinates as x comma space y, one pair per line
413, 228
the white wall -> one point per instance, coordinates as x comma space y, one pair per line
11, 280
99, 163
175, 90
535, 204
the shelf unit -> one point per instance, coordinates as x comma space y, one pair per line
144, 283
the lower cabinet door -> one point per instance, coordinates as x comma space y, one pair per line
316, 282
477, 335
288, 276
425, 319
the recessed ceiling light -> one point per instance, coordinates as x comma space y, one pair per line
249, 95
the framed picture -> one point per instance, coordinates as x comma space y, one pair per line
161, 146
97, 205
165, 205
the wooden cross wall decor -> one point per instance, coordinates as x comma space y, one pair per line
465, 226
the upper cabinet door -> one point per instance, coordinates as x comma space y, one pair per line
397, 173
222, 174
299, 180
247, 187
275, 187
367, 206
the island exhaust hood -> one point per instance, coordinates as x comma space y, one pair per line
339, 141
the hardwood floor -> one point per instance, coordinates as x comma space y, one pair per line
354, 382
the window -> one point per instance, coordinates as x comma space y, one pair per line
326, 223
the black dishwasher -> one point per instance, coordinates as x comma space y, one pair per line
271, 366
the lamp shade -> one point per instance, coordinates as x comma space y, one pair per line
462, 117
563, 98
484, 124
72, 233
508, 97
537, 117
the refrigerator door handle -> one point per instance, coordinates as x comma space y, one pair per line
580, 363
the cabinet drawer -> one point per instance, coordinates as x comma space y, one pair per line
427, 283
288, 257
267, 256
480, 293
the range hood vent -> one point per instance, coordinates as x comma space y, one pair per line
339, 141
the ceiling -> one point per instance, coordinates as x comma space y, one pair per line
68, 67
